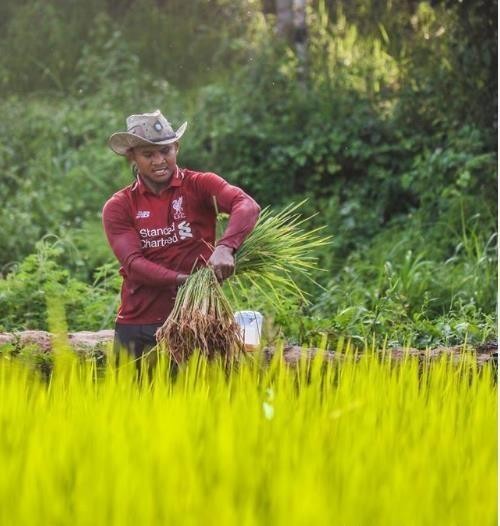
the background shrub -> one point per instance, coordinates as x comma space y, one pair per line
386, 128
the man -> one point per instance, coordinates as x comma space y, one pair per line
162, 227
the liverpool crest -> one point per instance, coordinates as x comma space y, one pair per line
178, 209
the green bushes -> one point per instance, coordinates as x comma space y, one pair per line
25, 291
384, 134
410, 285
185, 43
56, 167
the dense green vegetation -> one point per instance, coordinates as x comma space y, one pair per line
389, 129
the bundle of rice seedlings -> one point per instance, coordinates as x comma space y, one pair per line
201, 319
277, 251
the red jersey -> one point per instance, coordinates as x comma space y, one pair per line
155, 237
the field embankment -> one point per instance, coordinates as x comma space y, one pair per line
92, 344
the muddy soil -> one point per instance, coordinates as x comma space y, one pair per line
90, 343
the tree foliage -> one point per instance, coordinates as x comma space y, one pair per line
391, 134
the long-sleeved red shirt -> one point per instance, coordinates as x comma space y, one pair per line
156, 237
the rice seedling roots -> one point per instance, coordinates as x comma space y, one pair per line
194, 330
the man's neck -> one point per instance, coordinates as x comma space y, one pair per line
155, 188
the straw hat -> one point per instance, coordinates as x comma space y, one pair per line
145, 129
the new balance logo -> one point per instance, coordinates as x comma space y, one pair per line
141, 214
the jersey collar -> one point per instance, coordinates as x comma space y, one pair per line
176, 180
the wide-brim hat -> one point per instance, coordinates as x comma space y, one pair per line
145, 129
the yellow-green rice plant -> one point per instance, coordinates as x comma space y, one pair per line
356, 442
280, 249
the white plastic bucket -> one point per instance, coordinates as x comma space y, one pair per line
250, 322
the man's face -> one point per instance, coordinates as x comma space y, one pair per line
156, 164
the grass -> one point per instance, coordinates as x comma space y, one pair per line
350, 443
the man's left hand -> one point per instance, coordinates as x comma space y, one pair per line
222, 262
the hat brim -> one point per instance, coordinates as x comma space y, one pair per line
122, 142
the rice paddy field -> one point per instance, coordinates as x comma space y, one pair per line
358, 441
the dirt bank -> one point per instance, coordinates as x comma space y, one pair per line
87, 342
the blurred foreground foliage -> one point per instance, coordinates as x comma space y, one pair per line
388, 129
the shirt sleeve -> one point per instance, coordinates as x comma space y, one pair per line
242, 209
126, 245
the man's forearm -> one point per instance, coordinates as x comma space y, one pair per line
242, 219
145, 272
